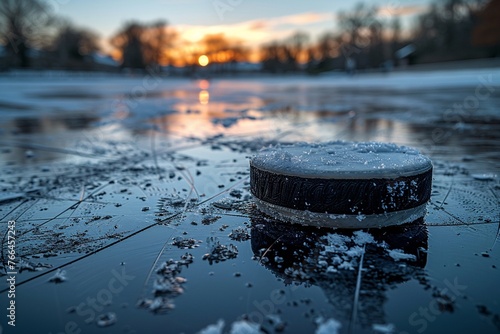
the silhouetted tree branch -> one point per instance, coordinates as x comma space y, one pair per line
144, 45
487, 31
23, 26
73, 45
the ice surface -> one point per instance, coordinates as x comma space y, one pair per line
342, 160
398, 109
10, 196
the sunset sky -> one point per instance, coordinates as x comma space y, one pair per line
254, 21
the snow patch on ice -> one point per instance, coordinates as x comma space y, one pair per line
213, 329
384, 328
355, 251
484, 177
244, 327
343, 251
331, 326
346, 265
361, 238
360, 217
331, 269
398, 254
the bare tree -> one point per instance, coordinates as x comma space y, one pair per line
445, 31
223, 51
129, 41
74, 44
286, 55
144, 45
396, 30
270, 55
23, 26
158, 41
297, 46
487, 32
328, 46
215, 43
362, 44
356, 24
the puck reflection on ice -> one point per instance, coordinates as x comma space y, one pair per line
331, 259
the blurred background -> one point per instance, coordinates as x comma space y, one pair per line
221, 37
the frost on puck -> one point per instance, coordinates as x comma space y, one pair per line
342, 184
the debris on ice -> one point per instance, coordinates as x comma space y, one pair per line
185, 243
167, 285
106, 319
157, 305
239, 234
59, 276
218, 252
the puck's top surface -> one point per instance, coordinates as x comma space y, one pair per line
342, 160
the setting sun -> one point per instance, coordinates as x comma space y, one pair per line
203, 60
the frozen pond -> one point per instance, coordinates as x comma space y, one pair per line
133, 213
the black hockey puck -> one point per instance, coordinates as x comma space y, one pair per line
342, 184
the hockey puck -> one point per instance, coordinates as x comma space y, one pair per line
342, 184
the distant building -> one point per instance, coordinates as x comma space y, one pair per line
35, 53
105, 60
232, 67
247, 67
405, 55
174, 70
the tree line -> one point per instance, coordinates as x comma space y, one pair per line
449, 30
33, 36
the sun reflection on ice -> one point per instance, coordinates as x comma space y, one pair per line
204, 84
204, 97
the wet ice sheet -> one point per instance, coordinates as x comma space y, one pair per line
110, 197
